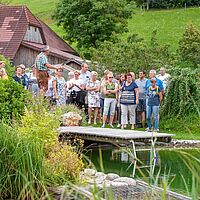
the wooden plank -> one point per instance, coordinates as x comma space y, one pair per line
112, 133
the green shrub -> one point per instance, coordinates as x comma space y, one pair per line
9, 69
40, 123
131, 55
183, 94
189, 45
12, 99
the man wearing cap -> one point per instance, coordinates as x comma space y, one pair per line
42, 65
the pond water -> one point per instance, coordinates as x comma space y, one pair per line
180, 168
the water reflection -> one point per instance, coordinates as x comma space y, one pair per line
150, 165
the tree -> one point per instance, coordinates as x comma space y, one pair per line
189, 45
130, 55
90, 22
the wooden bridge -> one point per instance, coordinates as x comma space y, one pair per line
114, 136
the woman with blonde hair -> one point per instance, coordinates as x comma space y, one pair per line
110, 91
93, 88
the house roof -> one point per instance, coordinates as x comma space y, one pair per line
14, 22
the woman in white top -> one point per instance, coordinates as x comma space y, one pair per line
76, 86
93, 88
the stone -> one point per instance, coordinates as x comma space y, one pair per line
129, 181
89, 172
111, 176
71, 119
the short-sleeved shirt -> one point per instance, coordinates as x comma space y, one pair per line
165, 79
20, 80
112, 86
141, 86
85, 77
159, 83
153, 96
78, 82
130, 88
40, 62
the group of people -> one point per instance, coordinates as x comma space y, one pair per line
122, 99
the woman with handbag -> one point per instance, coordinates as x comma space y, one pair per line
128, 100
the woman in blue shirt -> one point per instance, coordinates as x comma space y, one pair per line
154, 97
128, 100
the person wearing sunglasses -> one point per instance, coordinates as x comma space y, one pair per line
110, 91
128, 100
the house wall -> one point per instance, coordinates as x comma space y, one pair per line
33, 34
74, 65
27, 57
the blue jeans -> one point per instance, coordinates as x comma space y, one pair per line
152, 110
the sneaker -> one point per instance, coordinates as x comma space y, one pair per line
148, 130
103, 126
111, 125
156, 130
139, 125
118, 125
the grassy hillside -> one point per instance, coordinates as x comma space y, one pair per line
169, 23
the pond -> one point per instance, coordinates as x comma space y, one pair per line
180, 168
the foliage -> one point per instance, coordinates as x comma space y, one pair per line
21, 166
40, 124
189, 45
167, 3
183, 94
4, 2
9, 69
12, 99
88, 23
131, 55
185, 127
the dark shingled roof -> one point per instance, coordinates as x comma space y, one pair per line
14, 22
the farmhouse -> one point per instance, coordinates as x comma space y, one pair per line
22, 36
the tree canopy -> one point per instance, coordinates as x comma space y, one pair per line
90, 22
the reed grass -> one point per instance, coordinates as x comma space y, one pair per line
21, 166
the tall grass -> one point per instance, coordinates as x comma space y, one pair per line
21, 166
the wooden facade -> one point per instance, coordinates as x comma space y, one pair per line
27, 57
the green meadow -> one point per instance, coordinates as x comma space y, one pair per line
169, 24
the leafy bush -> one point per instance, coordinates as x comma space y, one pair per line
189, 45
12, 99
9, 69
40, 124
183, 94
131, 54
